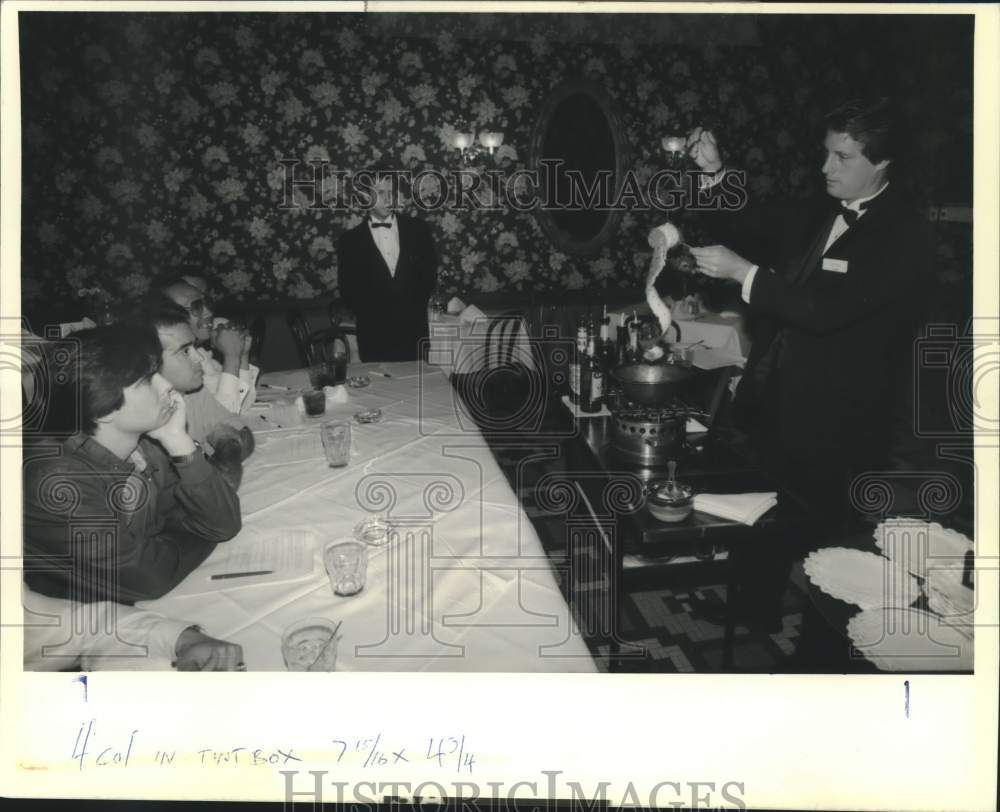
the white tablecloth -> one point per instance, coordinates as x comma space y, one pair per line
724, 341
464, 586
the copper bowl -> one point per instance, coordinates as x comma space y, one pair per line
652, 384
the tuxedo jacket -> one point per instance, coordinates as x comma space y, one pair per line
845, 321
391, 310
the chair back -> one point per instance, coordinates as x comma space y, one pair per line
340, 318
325, 345
300, 333
502, 337
257, 330
319, 346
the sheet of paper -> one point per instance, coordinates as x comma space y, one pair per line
288, 555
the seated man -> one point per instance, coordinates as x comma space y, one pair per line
117, 638
233, 381
225, 435
126, 505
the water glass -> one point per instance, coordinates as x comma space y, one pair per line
336, 438
347, 565
310, 645
315, 402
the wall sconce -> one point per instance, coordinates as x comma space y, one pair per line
491, 140
676, 148
465, 143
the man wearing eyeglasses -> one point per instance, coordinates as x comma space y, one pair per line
233, 380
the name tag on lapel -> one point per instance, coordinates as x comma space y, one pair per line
835, 265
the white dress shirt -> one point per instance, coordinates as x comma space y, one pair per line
387, 241
58, 634
235, 394
838, 228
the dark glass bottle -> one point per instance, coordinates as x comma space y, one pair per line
576, 362
591, 381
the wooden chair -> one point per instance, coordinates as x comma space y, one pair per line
319, 345
502, 341
257, 330
335, 313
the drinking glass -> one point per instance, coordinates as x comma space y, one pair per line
315, 402
336, 438
310, 644
373, 531
347, 565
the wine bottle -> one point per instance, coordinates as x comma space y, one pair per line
576, 363
596, 374
587, 376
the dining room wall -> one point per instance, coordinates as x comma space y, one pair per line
151, 142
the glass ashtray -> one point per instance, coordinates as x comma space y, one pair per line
358, 381
368, 416
373, 531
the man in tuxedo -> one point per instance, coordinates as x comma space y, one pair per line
387, 267
835, 292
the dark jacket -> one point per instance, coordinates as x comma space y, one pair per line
845, 334
391, 311
97, 529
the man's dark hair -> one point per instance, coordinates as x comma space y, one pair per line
158, 310
92, 376
870, 122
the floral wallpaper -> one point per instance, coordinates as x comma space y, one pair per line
151, 141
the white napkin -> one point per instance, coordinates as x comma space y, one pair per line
737, 507
70, 327
471, 313
336, 394
575, 409
455, 306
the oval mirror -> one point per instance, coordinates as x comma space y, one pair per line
579, 153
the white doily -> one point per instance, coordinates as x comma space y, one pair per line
922, 546
898, 639
863, 579
948, 597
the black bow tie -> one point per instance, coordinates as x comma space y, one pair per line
850, 215
381, 225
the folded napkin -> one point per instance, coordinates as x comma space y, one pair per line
471, 313
70, 327
575, 409
737, 507
455, 306
336, 394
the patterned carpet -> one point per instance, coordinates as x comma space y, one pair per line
673, 613
679, 629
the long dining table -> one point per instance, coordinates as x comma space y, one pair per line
463, 583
